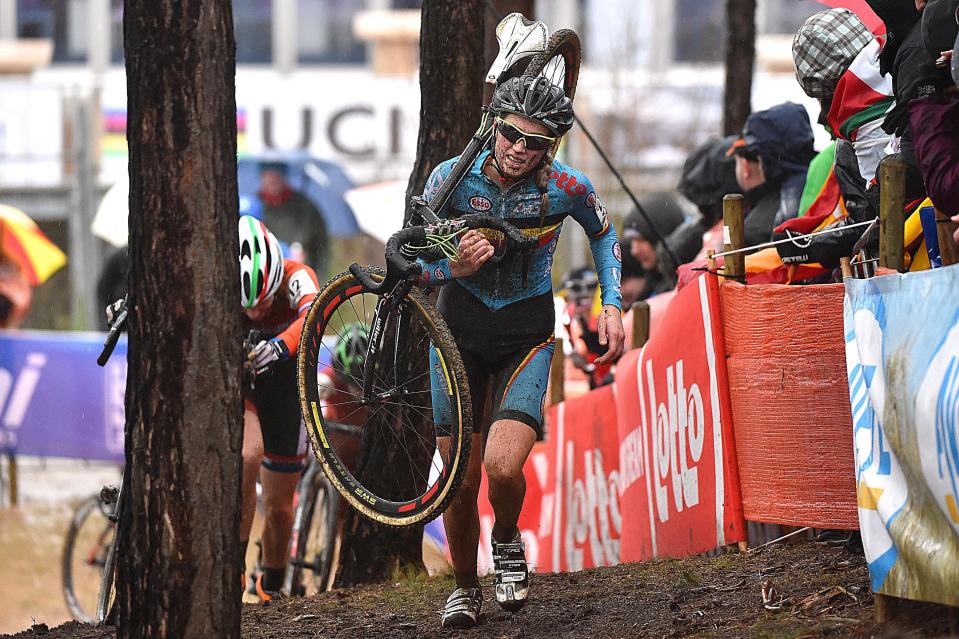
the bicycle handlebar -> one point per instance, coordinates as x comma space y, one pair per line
116, 329
398, 268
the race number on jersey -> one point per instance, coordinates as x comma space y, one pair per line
299, 286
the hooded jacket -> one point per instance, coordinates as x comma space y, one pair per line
708, 175
783, 138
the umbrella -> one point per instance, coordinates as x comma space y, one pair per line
322, 182
862, 9
379, 207
26, 245
110, 221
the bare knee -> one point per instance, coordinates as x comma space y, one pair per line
279, 512
252, 458
499, 473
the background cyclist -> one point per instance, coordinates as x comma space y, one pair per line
276, 296
503, 322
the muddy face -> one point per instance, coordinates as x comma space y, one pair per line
515, 160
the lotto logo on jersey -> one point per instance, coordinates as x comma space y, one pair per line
480, 203
591, 200
568, 183
617, 252
439, 274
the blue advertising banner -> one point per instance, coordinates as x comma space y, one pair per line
54, 399
56, 402
902, 357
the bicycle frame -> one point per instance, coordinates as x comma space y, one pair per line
386, 307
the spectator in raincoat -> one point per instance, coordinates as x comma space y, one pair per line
934, 119
772, 158
709, 174
677, 225
291, 216
837, 62
914, 76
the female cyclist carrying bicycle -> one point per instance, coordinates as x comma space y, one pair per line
276, 295
502, 320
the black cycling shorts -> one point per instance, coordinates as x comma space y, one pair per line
277, 405
506, 352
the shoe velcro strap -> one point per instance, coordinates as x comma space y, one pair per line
511, 564
512, 576
460, 597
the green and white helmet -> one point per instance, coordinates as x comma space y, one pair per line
261, 262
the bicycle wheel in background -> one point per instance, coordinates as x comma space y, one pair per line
112, 500
413, 481
85, 549
314, 535
560, 61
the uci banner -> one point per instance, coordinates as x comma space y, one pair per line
678, 479
902, 358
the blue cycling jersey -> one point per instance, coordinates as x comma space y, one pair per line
570, 193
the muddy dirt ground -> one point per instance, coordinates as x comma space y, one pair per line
818, 591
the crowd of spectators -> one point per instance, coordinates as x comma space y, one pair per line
893, 94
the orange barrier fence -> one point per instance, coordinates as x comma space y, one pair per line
737, 408
790, 403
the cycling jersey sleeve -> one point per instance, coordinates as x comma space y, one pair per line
300, 287
591, 215
436, 273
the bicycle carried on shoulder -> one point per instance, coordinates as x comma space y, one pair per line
413, 394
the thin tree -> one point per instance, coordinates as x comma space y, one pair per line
451, 87
740, 57
179, 556
451, 83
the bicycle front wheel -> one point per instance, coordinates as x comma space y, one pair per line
85, 550
409, 407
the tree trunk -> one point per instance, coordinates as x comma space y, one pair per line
451, 87
451, 83
498, 10
179, 556
740, 56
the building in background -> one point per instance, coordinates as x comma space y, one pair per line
336, 79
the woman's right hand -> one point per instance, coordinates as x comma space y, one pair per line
474, 251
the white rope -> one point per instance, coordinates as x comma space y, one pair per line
795, 239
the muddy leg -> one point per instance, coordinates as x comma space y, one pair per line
461, 519
507, 448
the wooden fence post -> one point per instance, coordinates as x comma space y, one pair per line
640, 324
557, 373
892, 201
846, 267
948, 250
733, 235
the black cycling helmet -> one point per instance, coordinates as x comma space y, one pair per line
536, 98
350, 351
